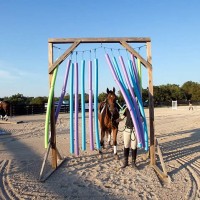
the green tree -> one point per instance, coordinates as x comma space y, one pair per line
145, 94
102, 96
39, 100
120, 98
19, 99
86, 98
67, 97
191, 90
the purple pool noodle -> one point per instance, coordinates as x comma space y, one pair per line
90, 107
71, 108
83, 105
96, 104
63, 90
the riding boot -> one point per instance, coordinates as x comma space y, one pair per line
126, 154
134, 155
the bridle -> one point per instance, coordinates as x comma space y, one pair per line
112, 111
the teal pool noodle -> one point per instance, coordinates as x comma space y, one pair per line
91, 108
139, 73
83, 104
76, 103
72, 109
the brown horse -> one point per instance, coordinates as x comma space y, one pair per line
108, 113
4, 109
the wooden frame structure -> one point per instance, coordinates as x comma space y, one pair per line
124, 41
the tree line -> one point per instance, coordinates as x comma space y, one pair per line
163, 94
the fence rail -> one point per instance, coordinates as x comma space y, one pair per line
33, 109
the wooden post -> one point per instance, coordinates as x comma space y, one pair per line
151, 106
52, 118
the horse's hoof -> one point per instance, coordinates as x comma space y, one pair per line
116, 156
108, 146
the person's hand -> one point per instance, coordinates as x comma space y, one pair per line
118, 120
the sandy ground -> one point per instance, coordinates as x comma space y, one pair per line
90, 176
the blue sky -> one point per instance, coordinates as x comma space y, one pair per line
25, 26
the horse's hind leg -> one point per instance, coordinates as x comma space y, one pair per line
6, 117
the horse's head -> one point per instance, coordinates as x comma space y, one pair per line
111, 99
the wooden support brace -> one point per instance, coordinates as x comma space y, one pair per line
162, 176
59, 162
159, 152
161, 173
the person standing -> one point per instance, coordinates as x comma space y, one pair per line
130, 140
190, 105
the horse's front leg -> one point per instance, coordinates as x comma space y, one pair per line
115, 143
102, 141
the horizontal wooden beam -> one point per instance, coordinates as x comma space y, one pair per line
99, 40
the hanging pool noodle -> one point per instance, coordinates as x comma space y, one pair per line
83, 104
133, 97
132, 66
90, 107
76, 136
63, 90
48, 113
120, 78
139, 73
128, 96
138, 135
134, 69
138, 95
96, 104
72, 109
117, 70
